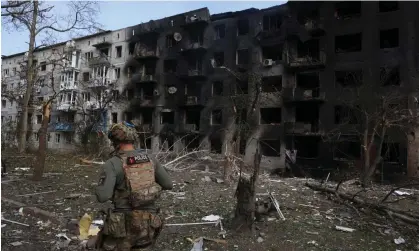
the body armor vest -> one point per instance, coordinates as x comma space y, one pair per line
140, 180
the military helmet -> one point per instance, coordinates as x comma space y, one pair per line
123, 132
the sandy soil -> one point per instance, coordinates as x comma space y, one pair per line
310, 216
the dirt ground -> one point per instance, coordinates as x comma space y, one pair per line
310, 222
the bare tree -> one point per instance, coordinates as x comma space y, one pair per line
371, 112
38, 18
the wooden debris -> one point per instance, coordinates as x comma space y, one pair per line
276, 204
30, 194
193, 223
14, 222
344, 229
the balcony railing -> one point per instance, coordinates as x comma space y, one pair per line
100, 60
67, 106
68, 85
63, 127
301, 127
309, 61
100, 82
300, 94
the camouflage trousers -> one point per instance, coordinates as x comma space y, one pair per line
128, 231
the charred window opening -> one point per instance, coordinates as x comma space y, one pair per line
193, 117
391, 152
307, 147
86, 76
170, 41
216, 145
128, 116
389, 38
241, 117
192, 142
197, 37
309, 49
387, 6
390, 77
130, 93
270, 148
114, 117
272, 84
104, 52
167, 142
147, 116
149, 68
242, 86
242, 27
216, 117
118, 51
349, 78
167, 118
346, 10
242, 57
131, 48
219, 58
312, 14
272, 22
345, 115
217, 88
43, 66
147, 91
348, 43
170, 66
220, 31
348, 149
272, 52
308, 80
308, 114
193, 89
270, 116
195, 63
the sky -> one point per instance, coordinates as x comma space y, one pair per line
120, 14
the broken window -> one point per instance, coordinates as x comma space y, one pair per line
307, 146
118, 51
272, 84
193, 116
86, 76
242, 57
348, 149
195, 64
216, 145
242, 86
270, 148
167, 142
307, 114
308, 80
192, 89
272, 22
130, 93
390, 77
147, 91
3, 103
170, 41
272, 52
241, 116
117, 73
170, 66
389, 38
131, 48
43, 66
167, 118
348, 78
387, 6
216, 117
219, 58
220, 31
114, 117
217, 88
104, 52
346, 10
344, 114
391, 152
348, 43
242, 27
38, 119
270, 116
309, 49
146, 116
197, 37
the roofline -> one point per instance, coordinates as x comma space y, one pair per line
57, 44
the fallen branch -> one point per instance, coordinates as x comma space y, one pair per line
399, 214
397, 188
14, 222
30, 194
183, 156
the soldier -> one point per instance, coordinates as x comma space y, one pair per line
132, 180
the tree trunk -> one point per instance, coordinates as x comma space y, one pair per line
29, 82
245, 193
39, 167
228, 169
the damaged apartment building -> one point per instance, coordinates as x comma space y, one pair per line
196, 81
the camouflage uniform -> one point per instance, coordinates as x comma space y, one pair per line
133, 182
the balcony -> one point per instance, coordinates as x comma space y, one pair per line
67, 106
194, 20
101, 44
306, 62
315, 28
194, 47
146, 53
191, 101
299, 94
189, 128
99, 82
63, 127
100, 60
145, 101
306, 128
143, 78
68, 85
92, 105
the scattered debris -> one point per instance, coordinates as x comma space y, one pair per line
3, 225
276, 204
401, 193
22, 168
84, 226
314, 243
16, 243
63, 242
399, 241
211, 218
15, 222
259, 239
206, 179
344, 229
198, 244
190, 224
73, 196
30, 194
